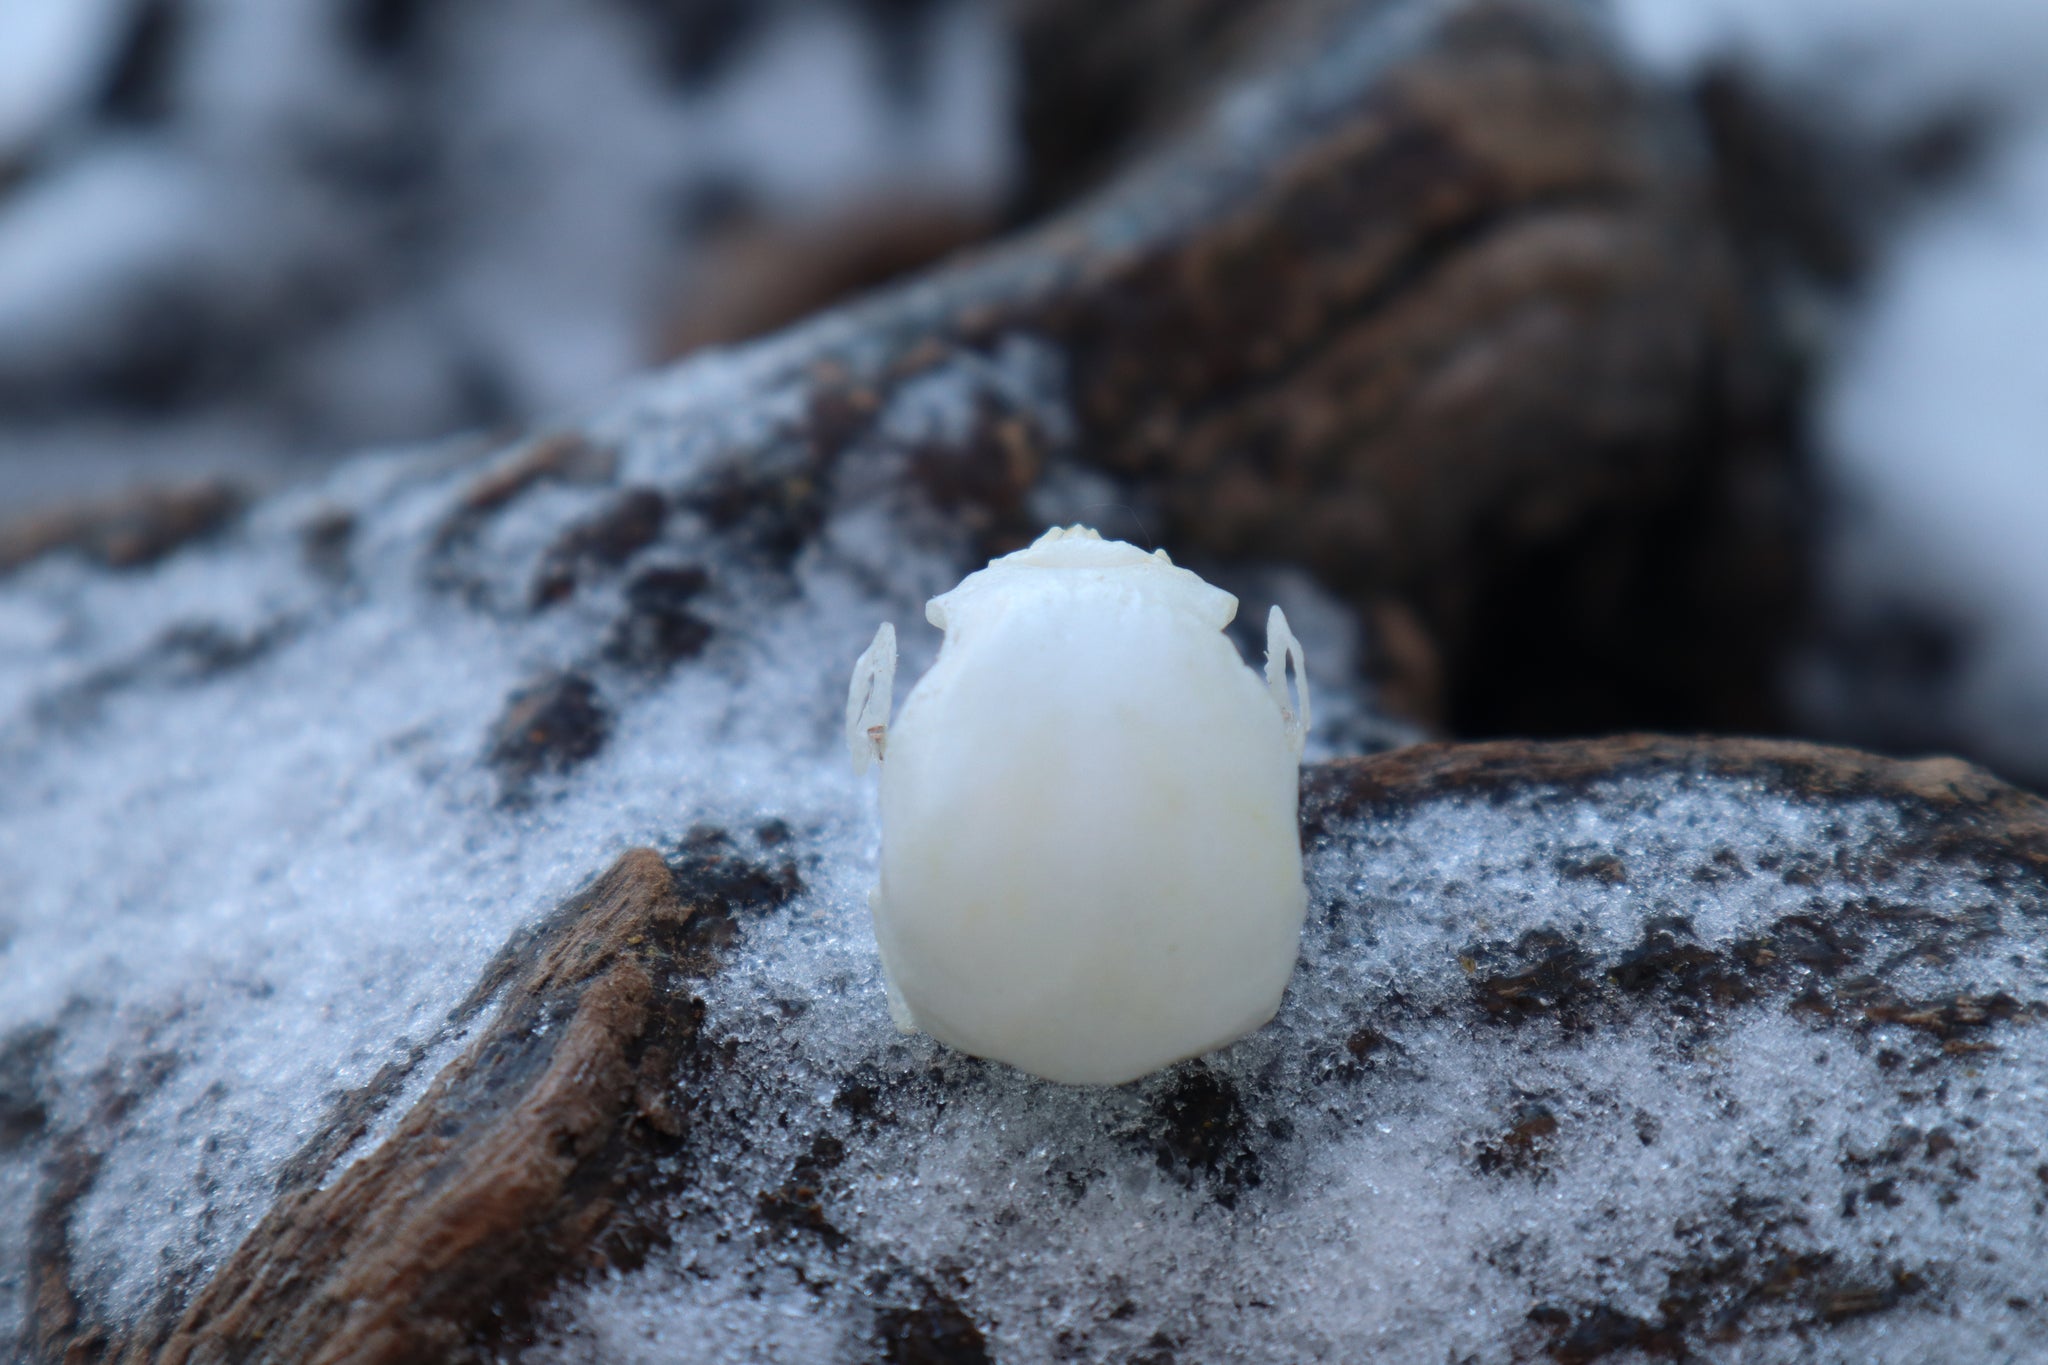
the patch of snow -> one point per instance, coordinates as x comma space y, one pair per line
51, 52
83, 246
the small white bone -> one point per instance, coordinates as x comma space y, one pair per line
1091, 855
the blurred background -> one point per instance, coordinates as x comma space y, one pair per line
248, 234
242, 238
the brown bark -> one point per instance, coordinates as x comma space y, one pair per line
502, 1177
1944, 787
1471, 343
1453, 320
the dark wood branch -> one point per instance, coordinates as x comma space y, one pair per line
1453, 320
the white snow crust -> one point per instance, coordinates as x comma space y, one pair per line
249, 855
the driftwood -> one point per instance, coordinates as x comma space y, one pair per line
1469, 344
536, 1155
510, 1170
1438, 305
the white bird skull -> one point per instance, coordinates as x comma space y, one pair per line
1091, 864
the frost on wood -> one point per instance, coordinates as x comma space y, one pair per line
1728, 1049
517, 1157
1690, 1048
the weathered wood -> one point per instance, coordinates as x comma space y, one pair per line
505, 1175
1469, 345
1960, 795
1446, 313
1435, 301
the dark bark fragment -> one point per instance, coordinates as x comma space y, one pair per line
620, 530
658, 629
564, 457
1197, 1131
934, 1333
24, 1086
550, 725
1521, 1147
58, 1328
324, 541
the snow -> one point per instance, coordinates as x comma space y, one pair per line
246, 830
77, 244
50, 51
236, 893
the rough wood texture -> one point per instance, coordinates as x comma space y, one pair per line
1472, 350
503, 1176
1447, 314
